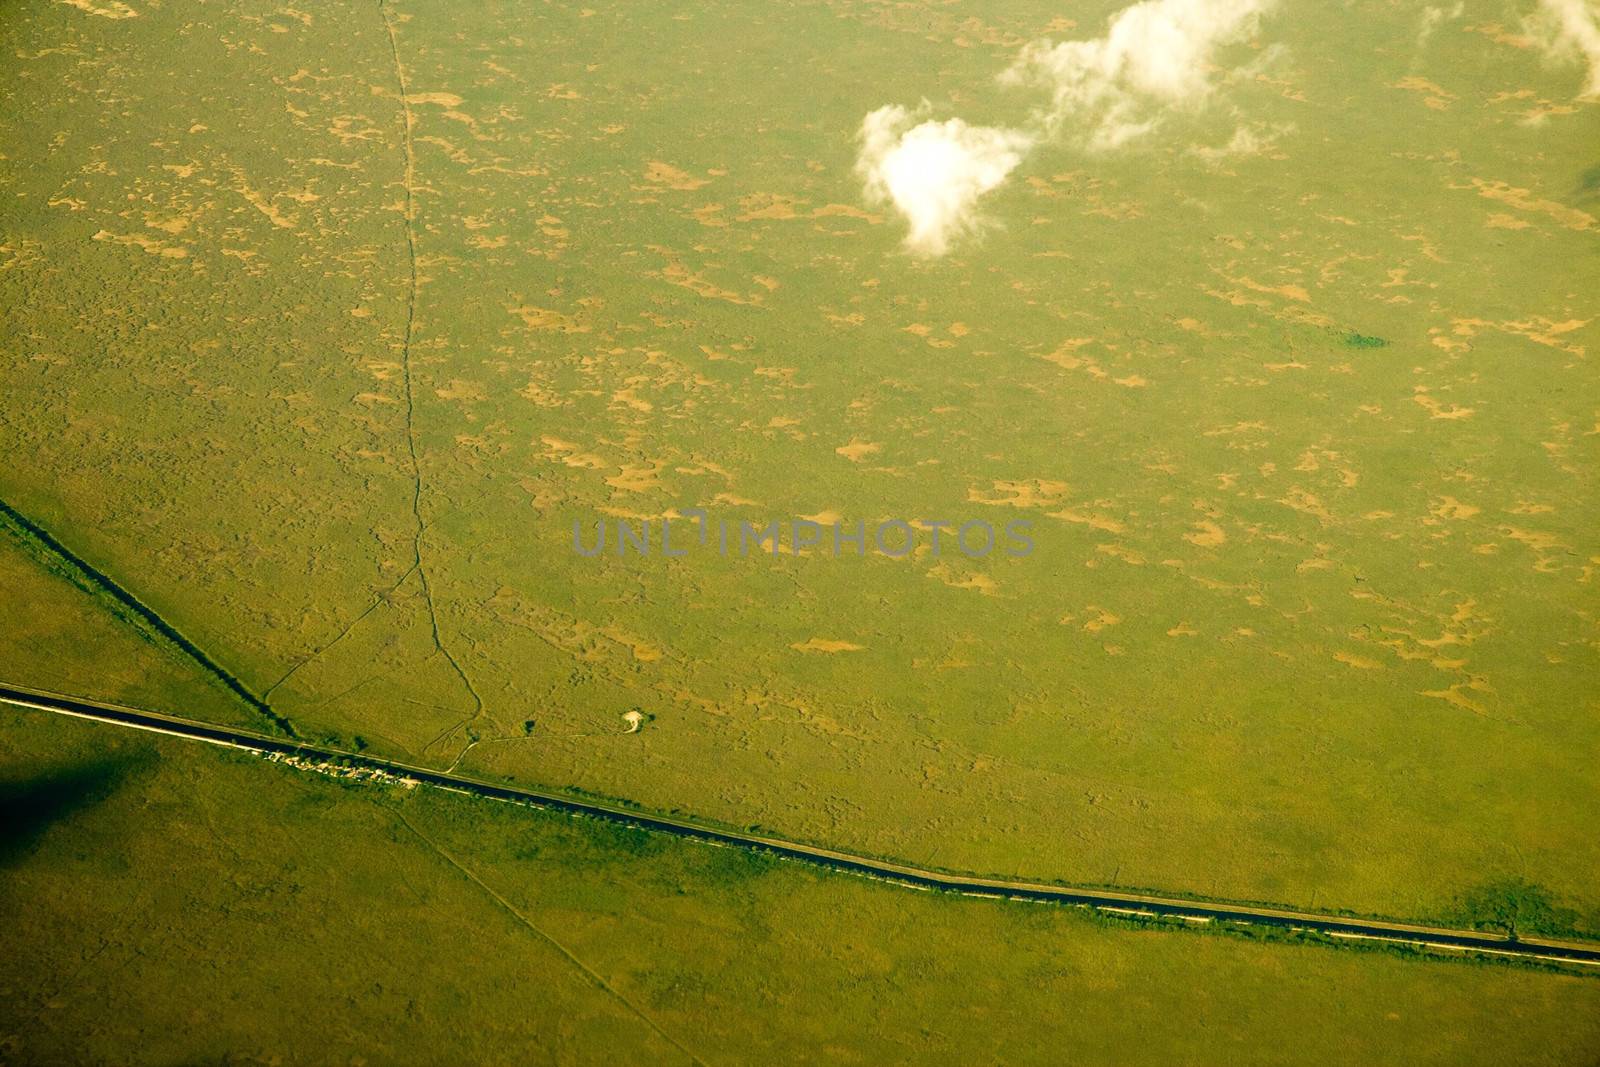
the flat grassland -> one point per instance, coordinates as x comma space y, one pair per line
166, 902
321, 328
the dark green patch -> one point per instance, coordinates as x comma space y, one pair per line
1363, 340
1516, 906
30, 806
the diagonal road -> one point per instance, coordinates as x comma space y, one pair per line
1105, 900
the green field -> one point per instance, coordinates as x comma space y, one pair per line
320, 328
172, 904
166, 902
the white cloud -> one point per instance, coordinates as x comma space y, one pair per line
934, 172
1252, 140
1156, 56
1433, 18
1571, 29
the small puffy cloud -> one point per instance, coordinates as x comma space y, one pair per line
1570, 29
1155, 56
934, 172
1434, 17
1246, 141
